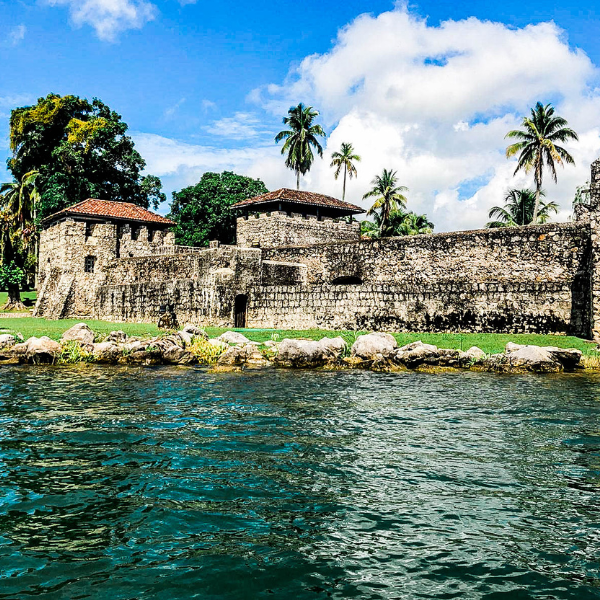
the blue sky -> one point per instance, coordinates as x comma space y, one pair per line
204, 85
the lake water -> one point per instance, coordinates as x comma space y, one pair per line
178, 483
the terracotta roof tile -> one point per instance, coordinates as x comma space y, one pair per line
300, 197
124, 211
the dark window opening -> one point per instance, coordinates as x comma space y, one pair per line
135, 232
89, 230
151, 233
90, 263
347, 281
241, 305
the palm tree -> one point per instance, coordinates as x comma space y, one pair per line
300, 139
412, 224
537, 146
344, 159
518, 209
18, 208
389, 197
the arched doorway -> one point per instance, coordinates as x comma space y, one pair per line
241, 305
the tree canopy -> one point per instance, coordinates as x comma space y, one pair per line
300, 139
518, 209
399, 223
389, 198
203, 211
537, 146
80, 150
345, 159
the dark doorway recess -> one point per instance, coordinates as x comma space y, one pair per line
241, 305
347, 281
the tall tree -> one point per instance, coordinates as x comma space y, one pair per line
519, 209
300, 139
344, 159
388, 196
80, 150
18, 235
537, 146
203, 211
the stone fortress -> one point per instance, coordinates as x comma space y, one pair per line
300, 263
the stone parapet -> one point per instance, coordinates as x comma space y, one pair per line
269, 230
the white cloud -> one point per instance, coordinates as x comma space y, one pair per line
433, 103
241, 126
169, 112
16, 35
208, 105
109, 17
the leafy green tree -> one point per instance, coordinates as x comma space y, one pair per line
11, 279
388, 196
203, 211
400, 223
18, 234
344, 159
519, 209
80, 150
537, 146
300, 139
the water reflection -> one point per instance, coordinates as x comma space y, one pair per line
151, 483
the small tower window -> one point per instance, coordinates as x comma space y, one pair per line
90, 263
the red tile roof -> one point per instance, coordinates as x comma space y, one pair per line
300, 197
124, 211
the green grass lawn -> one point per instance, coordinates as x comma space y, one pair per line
489, 342
28, 298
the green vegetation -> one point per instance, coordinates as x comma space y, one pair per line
518, 209
80, 150
344, 159
400, 223
203, 211
389, 216
537, 146
300, 139
490, 343
29, 326
388, 196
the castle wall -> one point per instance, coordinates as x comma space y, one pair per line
267, 230
528, 279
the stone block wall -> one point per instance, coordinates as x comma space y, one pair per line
268, 230
527, 279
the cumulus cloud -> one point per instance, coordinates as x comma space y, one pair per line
434, 103
109, 17
16, 35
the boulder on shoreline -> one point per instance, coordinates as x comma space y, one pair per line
376, 351
308, 353
37, 350
368, 346
79, 333
233, 337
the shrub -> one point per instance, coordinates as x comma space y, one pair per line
204, 351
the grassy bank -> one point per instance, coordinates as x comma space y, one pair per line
490, 343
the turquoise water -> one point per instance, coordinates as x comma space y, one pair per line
178, 483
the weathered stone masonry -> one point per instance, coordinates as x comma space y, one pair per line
528, 279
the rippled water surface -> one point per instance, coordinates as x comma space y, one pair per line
171, 483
